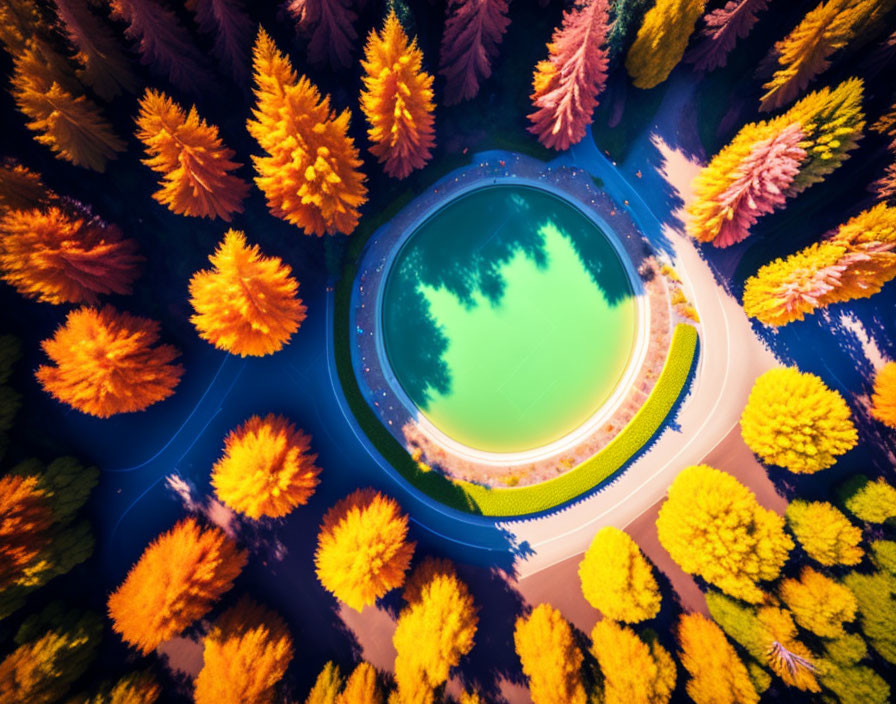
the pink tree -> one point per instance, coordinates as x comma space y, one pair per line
764, 178
724, 27
228, 23
566, 86
161, 40
331, 26
473, 33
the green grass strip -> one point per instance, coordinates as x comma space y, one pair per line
519, 501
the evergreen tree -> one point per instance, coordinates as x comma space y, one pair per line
723, 27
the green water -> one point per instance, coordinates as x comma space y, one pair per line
508, 318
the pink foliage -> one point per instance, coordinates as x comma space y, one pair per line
578, 74
161, 40
331, 26
228, 23
763, 179
795, 293
723, 28
473, 33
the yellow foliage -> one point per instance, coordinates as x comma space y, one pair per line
267, 469
362, 548
633, 671
875, 502
869, 240
818, 603
883, 400
617, 579
827, 536
397, 100
712, 526
361, 687
247, 303
327, 687
188, 152
661, 41
718, 675
310, 175
176, 581
136, 688
245, 656
435, 630
788, 658
550, 657
792, 419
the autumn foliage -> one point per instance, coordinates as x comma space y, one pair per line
397, 100
470, 42
617, 579
231, 28
25, 521
662, 40
177, 580
792, 419
362, 548
818, 603
827, 536
106, 362
566, 85
267, 468
188, 153
872, 501
712, 526
722, 28
245, 656
310, 174
330, 27
247, 303
65, 255
550, 658
634, 672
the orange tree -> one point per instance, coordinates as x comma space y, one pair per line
634, 672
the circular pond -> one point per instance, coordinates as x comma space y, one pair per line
508, 318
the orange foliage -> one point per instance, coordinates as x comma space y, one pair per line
310, 175
362, 548
189, 154
65, 255
108, 362
176, 581
397, 100
245, 656
20, 187
267, 469
247, 303
25, 520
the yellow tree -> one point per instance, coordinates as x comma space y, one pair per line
792, 419
397, 100
617, 579
191, 158
267, 468
550, 657
818, 603
106, 362
661, 40
176, 581
634, 672
435, 630
71, 125
712, 526
876, 596
362, 548
361, 687
883, 400
310, 175
827, 536
246, 304
872, 501
327, 687
135, 688
805, 52
245, 656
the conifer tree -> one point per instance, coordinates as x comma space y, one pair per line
190, 156
176, 581
550, 658
327, 687
722, 28
362, 548
470, 42
634, 672
65, 255
310, 175
873, 501
267, 468
397, 100
330, 26
566, 85
245, 656
661, 40
617, 579
712, 526
106, 362
792, 419
827, 536
228, 24
361, 686
247, 303
818, 603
